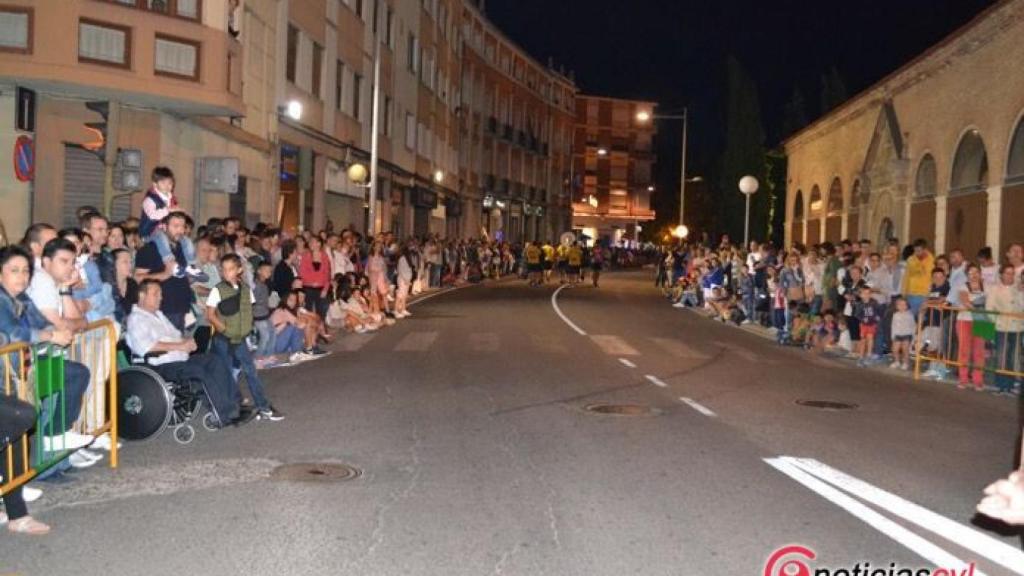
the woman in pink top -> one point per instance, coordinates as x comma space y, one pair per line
315, 273
377, 273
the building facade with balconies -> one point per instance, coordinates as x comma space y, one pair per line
612, 167
173, 79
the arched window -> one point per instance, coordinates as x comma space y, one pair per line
1015, 166
970, 165
798, 206
816, 205
835, 197
927, 181
855, 196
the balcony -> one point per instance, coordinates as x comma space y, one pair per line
107, 50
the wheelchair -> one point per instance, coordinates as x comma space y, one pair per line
147, 403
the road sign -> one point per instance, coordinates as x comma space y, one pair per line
24, 158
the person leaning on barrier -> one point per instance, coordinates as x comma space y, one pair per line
21, 321
149, 331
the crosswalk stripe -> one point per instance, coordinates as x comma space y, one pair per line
353, 342
679, 349
416, 342
484, 342
614, 345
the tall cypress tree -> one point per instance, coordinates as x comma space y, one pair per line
794, 115
833, 90
744, 155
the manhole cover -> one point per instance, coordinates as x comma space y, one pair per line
827, 404
314, 472
620, 409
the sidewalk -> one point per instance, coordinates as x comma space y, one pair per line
880, 366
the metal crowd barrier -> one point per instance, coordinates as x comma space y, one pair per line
96, 348
16, 385
990, 342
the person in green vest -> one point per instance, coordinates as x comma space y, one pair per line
229, 310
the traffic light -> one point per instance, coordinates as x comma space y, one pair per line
128, 170
98, 145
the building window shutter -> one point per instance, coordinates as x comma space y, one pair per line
176, 58
102, 43
14, 30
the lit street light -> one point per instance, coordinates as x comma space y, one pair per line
294, 110
681, 232
643, 117
602, 151
748, 186
439, 176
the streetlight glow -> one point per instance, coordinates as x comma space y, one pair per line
602, 151
294, 109
643, 116
681, 232
439, 176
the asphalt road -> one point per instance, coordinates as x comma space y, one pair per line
468, 422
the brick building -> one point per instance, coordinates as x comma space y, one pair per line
935, 150
612, 161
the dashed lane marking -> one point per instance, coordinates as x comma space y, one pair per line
613, 345
627, 363
698, 407
656, 381
416, 342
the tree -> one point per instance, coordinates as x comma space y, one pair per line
833, 90
794, 115
744, 155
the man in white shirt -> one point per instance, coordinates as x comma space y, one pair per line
149, 331
50, 289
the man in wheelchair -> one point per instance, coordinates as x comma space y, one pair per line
151, 335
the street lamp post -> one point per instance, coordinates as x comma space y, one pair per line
748, 186
645, 116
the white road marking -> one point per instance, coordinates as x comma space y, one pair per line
354, 342
974, 540
655, 380
554, 304
613, 345
484, 341
416, 342
698, 407
627, 363
679, 349
917, 544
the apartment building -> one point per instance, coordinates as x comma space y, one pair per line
164, 78
474, 135
612, 161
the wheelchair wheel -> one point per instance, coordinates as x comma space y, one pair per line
144, 403
210, 422
184, 434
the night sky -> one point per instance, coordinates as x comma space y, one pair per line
674, 52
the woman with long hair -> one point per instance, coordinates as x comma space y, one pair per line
971, 352
405, 277
377, 275
315, 273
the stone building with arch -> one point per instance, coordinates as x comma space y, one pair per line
934, 150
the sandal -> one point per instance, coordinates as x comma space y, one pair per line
29, 526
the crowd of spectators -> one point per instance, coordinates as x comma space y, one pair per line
876, 304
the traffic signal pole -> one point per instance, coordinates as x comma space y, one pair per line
110, 156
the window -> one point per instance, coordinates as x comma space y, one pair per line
359, 8
376, 17
176, 57
413, 54
389, 24
410, 131
357, 88
16, 29
386, 117
339, 84
190, 9
318, 64
293, 53
101, 43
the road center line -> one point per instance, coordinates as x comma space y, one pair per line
627, 363
698, 407
924, 548
656, 381
554, 304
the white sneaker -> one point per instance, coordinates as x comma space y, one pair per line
67, 441
80, 461
905, 366
103, 442
895, 365
94, 456
299, 357
31, 494
360, 330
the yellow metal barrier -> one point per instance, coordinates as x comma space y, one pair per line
994, 338
96, 348
16, 384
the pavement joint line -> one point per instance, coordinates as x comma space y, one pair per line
969, 538
627, 363
698, 406
554, 304
917, 544
655, 380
